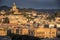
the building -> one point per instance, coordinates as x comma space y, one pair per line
3, 12
57, 20
3, 32
52, 24
14, 9
45, 32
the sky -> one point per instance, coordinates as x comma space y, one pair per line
36, 4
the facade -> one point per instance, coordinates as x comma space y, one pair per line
37, 32
57, 19
57, 22
3, 32
45, 32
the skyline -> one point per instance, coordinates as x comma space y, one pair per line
36, 4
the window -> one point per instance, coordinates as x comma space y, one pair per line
59, 20
40, 32
17, 31
16, 18
53, 32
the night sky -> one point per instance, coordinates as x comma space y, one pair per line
36, 4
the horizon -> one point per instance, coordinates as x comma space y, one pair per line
28, 8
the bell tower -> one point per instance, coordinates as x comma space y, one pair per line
14, 8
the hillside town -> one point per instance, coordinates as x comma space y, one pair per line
32, 23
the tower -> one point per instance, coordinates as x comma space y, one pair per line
14, 8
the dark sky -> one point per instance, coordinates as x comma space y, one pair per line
37, 4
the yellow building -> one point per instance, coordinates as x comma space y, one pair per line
18, 19
37, 32
14, 9
52, 24
34, 13
25, 31
3, 32
20, 31
16, 31
45, 32
57, 20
